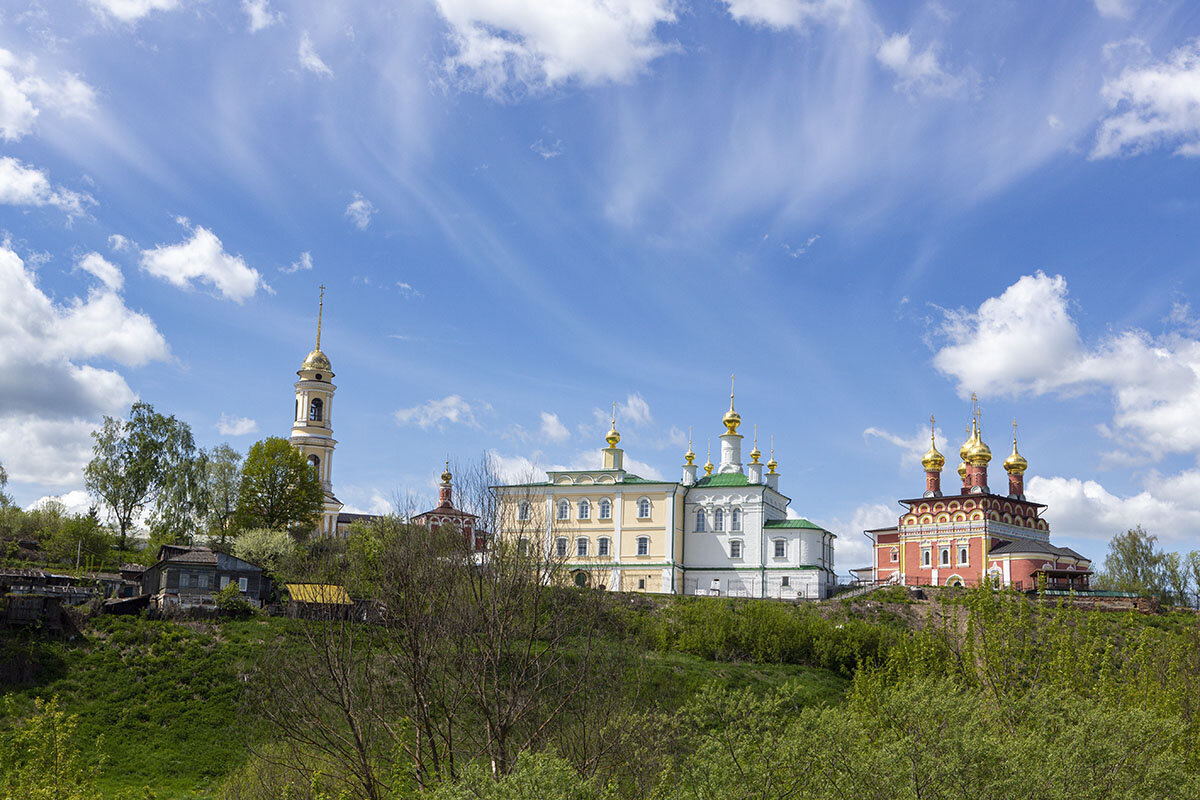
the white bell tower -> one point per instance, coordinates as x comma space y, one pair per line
312, 426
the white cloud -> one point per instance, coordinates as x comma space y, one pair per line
451, 408
504, 45
1120, 9
916, 73
359, 211
781, 14
76, 501
131, 10
545, 150
236, 426
407, 291
852, 549
796, 252
305, 263
635, 410
259, 14
24, 185
912, 448
514, 469
202, 258
553, 429
108, 272
1153, 105
23, 92
120, 244
309, 58
52, 396
1025, 342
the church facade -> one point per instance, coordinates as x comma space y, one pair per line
726, 532
974, 535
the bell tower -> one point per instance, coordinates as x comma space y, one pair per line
312, 426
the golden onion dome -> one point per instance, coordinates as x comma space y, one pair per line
612, 437
1015, 464
755, 455
966, 446
731, 419
979, 453
962, 470
446, 476
772, 464
317, 360
933, 461
689, 456
708, 467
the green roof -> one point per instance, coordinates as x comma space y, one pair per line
725, 479
793, 523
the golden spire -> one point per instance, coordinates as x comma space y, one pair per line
613, 437
320, 313
446, 475
689, 456
731, 419
755, 454
1015, 464
708, 465
772, 464
933, 461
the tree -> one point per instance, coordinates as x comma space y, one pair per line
1193, 566
222, 476
82, 537
264, 547
279, 489
4, 498
40, 757
1134, 563
1175, 577
147, 461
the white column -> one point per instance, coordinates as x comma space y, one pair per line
731, 453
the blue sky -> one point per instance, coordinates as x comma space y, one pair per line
524, 211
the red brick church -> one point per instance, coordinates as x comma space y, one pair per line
975, 534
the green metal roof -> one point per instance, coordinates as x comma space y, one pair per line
725, 479
793, 523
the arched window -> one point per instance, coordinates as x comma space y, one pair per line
780, 548
735, 520
523, 511
606, 509
719, 519
560, 546
564, 510
315, 463
962, 554
700, 520
735, 548
585, 511
603, 546
581, 546
644, 508
316, 410
643, 545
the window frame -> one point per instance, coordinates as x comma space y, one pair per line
584, 509
735, 520
605, 510
316, 410
644, 505
944, 556
964, 555
582, 546
780, 550
560, 547
563, 510
643, 546
523, 511
926, 557
895, 554
719, 520
739, 546
604, 546
701, 521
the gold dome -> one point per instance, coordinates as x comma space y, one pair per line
317, 360
446, 476
612, 437
755, 455
731, 419
979, 454
1015, 464
933, 461
962, 470
689, 457
772, 464
708, 467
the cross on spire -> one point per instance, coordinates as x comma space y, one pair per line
731, 380
320, 313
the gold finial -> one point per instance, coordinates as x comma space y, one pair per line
731, 419
755, 454
1015, 464
689, 456
772, 464
708, 465
978, 454
933, 461
446, 476
613, 437
320, 313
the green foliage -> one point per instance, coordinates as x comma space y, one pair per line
279, 489
537, 776
231, 603
81, 536
222, 479
267, 548
147, 461
40, 757
1135, 564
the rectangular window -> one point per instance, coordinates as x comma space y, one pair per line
560, 547
183, 580
243, 584
203, 580
641, 583
581, 547
224, 581
780, 548
786, 581
643, 546
962, 555
605, 509
735, 548
926, 558
944, 556
602, 546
